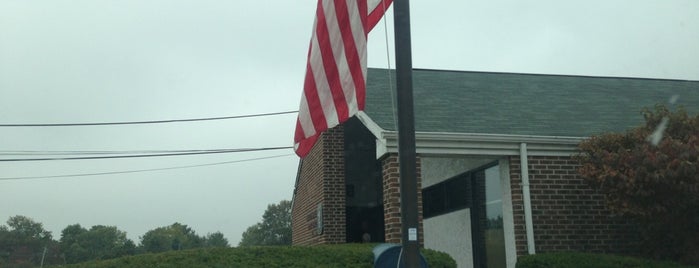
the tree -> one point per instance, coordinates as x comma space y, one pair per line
108, 242
655, 185
4, 246
100, 242
275, 228
70, 244
23, 241
216, 240
253, 236
174, 237
27, 228
71, 234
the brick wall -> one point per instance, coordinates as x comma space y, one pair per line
568, 215
321, 181
391, 199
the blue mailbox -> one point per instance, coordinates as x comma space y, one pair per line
388, 256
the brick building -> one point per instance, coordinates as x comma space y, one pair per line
495, 175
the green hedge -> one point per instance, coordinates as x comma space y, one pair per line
348, 255
586, 260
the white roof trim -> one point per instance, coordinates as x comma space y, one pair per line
370, 124
376, 130
449, 143
483, 144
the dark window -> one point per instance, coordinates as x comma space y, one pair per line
433, 199
458, 192
447, 196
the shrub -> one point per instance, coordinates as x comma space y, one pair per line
587, 260
346, 255
655, 185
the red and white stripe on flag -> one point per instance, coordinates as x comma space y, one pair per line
335, 84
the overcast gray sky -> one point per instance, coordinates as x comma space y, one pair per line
105, 61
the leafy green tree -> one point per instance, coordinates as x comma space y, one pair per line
4, 246
275, 228
108, 242
253, 236
174, 237
100, 242
26, 228
216, 240
656, 184
71, 234
70, 244
22, 242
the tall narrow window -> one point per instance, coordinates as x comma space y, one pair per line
494, 232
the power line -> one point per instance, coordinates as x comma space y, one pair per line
146, 122
103, 152
143, 155
139, 170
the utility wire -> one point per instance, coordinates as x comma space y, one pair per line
142, 155
140, 170
146, 122
104, 152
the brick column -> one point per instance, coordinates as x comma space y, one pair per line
334, 195
391, 199
321, 180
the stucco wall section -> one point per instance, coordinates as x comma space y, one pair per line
451, 233
438, 169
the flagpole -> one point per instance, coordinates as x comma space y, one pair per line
406, 135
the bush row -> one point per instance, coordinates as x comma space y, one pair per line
346, 255
586, 260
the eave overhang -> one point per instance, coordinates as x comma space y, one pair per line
446, 143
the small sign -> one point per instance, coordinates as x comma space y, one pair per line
319, 219
412, 234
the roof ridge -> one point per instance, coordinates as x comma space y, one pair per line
550, 75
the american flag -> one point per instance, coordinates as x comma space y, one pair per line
335, 84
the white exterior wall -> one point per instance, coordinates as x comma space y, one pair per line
438, 169
451, 232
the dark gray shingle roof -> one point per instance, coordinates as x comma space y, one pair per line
525, 104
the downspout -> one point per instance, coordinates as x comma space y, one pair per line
524, 166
